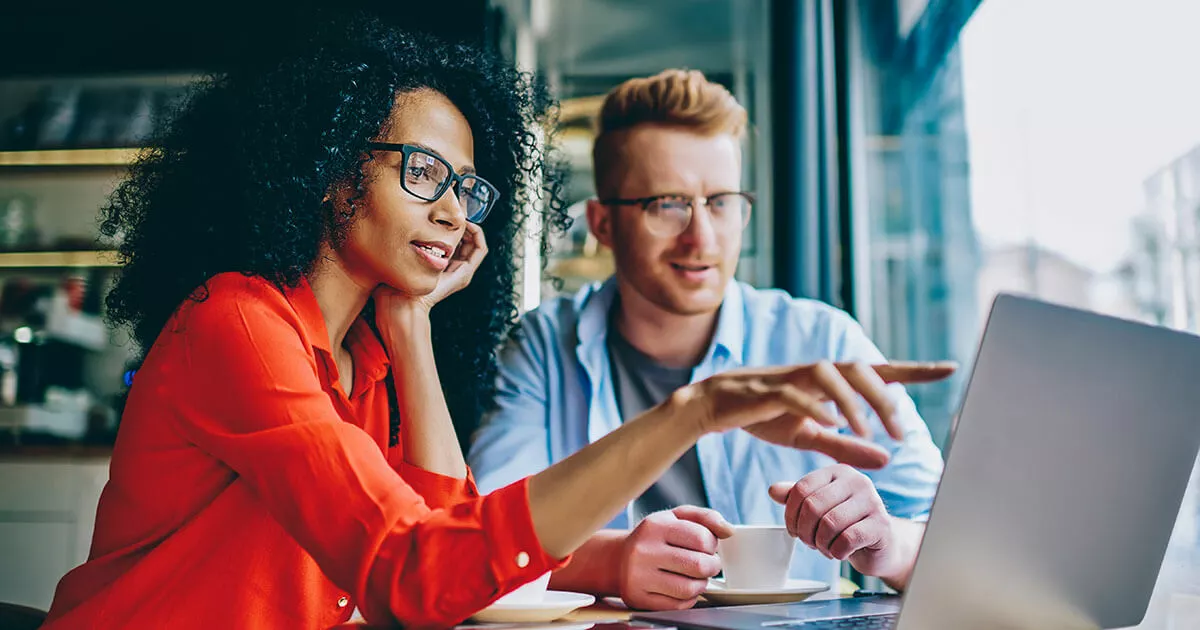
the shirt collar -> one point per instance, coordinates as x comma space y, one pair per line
304, 302
370, 358
594, 304
730, 336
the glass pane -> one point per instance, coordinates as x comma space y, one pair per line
1050, 149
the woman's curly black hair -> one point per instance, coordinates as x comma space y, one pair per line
236, 182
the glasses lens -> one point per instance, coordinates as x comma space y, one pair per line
669, 216
425, 175
477, 197
730, 208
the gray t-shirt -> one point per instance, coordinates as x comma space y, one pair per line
640, 383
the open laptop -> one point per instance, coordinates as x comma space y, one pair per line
1067, 467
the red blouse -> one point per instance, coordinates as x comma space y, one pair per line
248, 490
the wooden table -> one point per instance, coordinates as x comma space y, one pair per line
596, 613
600, 612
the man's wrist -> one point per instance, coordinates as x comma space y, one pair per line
614, 554
902, 552
596, 566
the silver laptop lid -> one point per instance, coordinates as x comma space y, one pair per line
1065, 474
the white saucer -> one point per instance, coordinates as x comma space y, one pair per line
793, 591
554, 605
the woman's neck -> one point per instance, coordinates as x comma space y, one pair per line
340, 296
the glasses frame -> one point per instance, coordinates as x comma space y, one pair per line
454, 181
645, 202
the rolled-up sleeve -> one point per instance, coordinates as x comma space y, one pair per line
513, 440
438, 490
410, 545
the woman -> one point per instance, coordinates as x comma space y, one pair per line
286, 454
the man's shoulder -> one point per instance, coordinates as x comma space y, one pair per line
564, 312
555, 321
552, 315
554, 309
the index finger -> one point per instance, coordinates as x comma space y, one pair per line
691, 536
472, 246
874, 390
849, 450
710, 519
915, 372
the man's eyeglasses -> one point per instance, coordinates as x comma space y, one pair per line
670, 215
428, 176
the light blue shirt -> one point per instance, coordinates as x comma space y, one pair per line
555, 396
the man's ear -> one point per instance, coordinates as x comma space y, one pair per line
600, 222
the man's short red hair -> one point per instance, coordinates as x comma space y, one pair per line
673, 98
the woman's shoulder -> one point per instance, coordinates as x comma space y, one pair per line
234, 317
233, 286
237, 298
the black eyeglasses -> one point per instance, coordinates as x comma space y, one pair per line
670, 215
427, 176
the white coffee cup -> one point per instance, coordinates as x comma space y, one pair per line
756, 556
531, 593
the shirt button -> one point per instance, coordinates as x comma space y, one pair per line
342, 601
522, 560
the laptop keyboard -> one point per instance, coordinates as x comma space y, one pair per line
875, 622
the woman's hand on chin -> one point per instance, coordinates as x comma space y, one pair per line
394, 307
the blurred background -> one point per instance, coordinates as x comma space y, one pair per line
911, 157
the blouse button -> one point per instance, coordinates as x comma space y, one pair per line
342, 601
522, 560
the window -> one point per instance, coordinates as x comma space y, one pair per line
989, 155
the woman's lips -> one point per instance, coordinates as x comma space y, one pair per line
436, 255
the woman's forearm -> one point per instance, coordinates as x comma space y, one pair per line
426, 430
577, 496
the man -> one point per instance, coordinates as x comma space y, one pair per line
668, 166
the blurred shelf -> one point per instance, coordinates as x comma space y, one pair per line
69, 157
588, 268
17, 260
